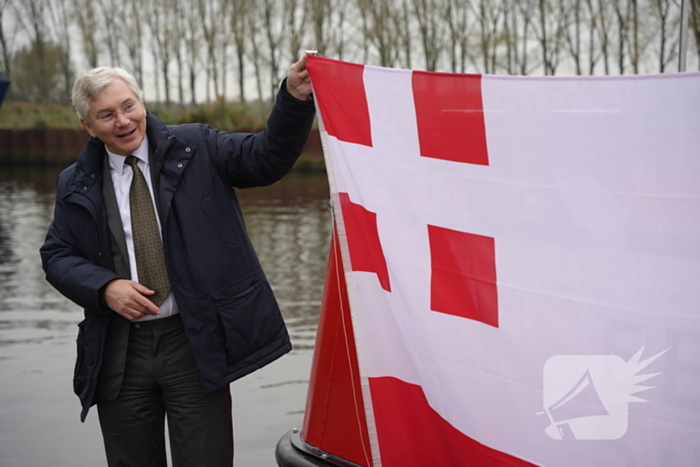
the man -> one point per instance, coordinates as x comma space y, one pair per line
148, 237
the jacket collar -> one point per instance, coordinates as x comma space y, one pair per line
88, 170
159, 137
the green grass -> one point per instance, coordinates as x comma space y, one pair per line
223, 115
17, 115
228, 116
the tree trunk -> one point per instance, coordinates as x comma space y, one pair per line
155, 75
543, 36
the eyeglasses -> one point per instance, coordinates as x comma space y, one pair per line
109, 116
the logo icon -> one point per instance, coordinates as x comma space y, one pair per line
587, 396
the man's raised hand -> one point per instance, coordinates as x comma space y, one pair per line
298, 81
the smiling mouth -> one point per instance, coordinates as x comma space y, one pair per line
125, 135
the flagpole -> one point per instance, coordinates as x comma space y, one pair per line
684, 36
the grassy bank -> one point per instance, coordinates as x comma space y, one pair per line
228, 116
49, 134
19, 116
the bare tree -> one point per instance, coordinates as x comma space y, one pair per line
321, 14
6, 42
593, 25
456, 15
543, 30
364, 18
162, 24
571, 11
635, 46
240, 16
403, 22
428, 16
132, 36
295, 15
154, 60
192, 35
510, 35
211, 19
59, 16
526, 10
328, 24
86, 19
694, 25
622, 10
255, 52
180, 19
379, 28
110, 29
662, 8
600, 10
273, 29
488, 14
223, 45
549, 31
337, 37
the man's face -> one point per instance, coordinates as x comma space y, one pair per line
117, 118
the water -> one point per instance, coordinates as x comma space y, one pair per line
290, 227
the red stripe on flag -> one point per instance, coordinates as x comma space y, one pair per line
366, 252
411, 433
340, 92
450, 117
463, 275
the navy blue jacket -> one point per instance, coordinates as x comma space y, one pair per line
228, 309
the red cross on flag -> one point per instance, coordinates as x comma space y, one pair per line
522, 258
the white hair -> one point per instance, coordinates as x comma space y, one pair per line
91, 83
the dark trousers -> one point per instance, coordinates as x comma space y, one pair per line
161, 378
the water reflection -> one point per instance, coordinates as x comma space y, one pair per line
289, 225
30, 310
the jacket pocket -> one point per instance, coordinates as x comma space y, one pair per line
248, 315
80, 376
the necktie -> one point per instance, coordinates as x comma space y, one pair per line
148, 248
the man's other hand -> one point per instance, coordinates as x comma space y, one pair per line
298, 82
128, 298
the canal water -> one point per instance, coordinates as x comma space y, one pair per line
290, 226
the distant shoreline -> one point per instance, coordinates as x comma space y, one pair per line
61, 147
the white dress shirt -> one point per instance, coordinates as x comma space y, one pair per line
122, 174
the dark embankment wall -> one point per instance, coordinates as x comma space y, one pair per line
41, 147
62, 147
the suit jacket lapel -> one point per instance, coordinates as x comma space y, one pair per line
114, 221
155, 164
116, 341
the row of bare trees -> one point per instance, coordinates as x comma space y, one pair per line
192, 50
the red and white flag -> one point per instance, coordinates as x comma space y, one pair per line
522, 258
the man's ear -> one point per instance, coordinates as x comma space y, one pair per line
88, 128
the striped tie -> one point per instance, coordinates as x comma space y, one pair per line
148, 248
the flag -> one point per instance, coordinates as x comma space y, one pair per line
522, 257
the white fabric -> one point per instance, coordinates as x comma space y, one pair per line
122, 174
592, 195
